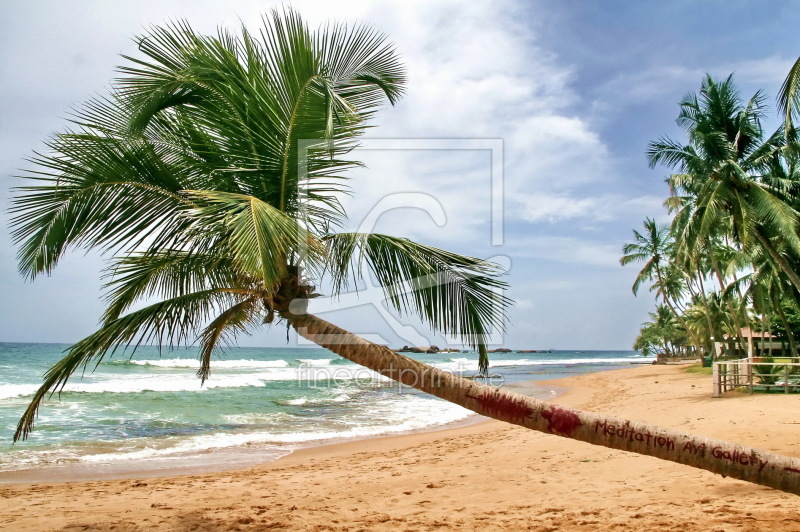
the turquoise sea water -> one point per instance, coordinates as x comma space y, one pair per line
150, 409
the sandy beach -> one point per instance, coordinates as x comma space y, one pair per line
488, 476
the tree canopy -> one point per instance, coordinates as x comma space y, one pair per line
735, 206
212, 176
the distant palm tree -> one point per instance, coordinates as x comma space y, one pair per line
214, 173
662, 335
653, 247
769, 292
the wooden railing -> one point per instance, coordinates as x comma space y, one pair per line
754, 375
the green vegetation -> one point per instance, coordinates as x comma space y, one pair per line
768, 373
212, 174
698, 369
728, 259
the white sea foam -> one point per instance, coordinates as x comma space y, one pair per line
260, 418
391, 414
465, 364
398, 414
276, 370
306, 376
222, 364
9, 391
301, 401
316, 361
105, 383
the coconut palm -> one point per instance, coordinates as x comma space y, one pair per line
653, 247
213, 172
770, 293
731, 175
662, 335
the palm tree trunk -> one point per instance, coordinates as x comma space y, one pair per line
789, 333
727, 459
696, 335
708, 314
780, 261
769, 335
742, 309
734, 315
667, 300
786, 326
741, 299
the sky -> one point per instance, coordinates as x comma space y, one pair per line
521, 138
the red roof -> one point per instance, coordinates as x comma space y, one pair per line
756, 334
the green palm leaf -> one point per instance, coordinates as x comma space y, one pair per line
98, 192
224, 329
457, 295
262, 239
789, 95
164, 274
167, 323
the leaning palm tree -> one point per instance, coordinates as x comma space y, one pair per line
213, 173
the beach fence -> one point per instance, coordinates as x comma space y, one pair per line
756, 374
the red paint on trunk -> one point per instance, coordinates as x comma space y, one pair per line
561, 421
503, 407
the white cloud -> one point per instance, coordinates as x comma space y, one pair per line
668, 80
475, 73
544, 207
657, 82
570, 250
766, 72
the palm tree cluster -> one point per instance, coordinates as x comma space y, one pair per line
728, 260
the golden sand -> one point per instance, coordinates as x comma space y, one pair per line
488, 476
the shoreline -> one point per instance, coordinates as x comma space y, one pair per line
228, 458
488, 475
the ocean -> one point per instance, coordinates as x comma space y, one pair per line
148, 411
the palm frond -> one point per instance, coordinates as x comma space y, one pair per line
789, 94
262, 239
96, 192
231, 322
668, 152
164, 274
778, 215
166, 323
457, 295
